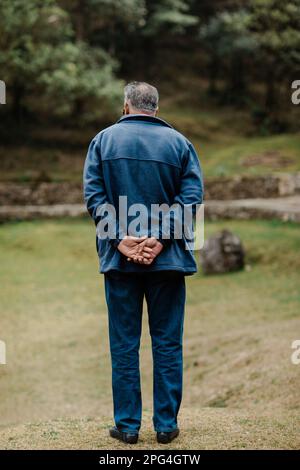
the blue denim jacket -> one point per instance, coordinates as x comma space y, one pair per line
144, 158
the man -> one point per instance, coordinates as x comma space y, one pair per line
143, 158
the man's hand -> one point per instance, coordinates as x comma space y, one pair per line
135, 248
147, 251
141, 250
156, 247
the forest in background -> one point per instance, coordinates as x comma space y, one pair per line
65, 62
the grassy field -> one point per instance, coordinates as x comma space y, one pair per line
241, 389
226, 145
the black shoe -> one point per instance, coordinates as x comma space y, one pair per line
128, 437
166, 437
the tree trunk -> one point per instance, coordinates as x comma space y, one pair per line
213, 74
270, 98
17, 105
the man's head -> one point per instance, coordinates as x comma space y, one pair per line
140, 98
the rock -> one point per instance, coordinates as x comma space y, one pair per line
222, 253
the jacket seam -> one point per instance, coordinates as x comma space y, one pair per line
141, 160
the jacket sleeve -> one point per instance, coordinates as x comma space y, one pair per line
191, 190
94, 187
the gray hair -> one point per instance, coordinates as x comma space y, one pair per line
142, 96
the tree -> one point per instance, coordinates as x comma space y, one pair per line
229, 44
46, 70
168, 16
104, 22
275, 26
165, 24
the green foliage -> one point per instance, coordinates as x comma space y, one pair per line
259, 42
130, 12
46, 70
61, 58
227, 40
28, 29
85, 78
171, 14
275, 25
90, 17
227, 34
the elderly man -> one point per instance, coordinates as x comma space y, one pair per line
143, 158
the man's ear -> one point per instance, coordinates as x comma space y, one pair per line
126, 109
156, 112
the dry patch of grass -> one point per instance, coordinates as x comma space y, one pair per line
204, 428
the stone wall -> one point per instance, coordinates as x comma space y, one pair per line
223, 188
239, 187
40, 194
248, 187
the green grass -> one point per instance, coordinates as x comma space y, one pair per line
224, 139
240, 384
227, 159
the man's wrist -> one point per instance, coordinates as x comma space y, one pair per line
164, 241
115, 242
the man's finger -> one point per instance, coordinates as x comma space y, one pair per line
145, 255
141, 246
142, 260
136, 239
146, 249
148, 261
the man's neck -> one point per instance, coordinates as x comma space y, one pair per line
137, 111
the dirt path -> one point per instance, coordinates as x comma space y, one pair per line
30, 212
284, 208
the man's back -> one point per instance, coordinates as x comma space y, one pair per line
146, 160
142, 157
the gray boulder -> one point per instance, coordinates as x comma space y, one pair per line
222, 253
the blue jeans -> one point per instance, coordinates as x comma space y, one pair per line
164, 292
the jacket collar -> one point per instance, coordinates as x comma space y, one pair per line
144, 117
